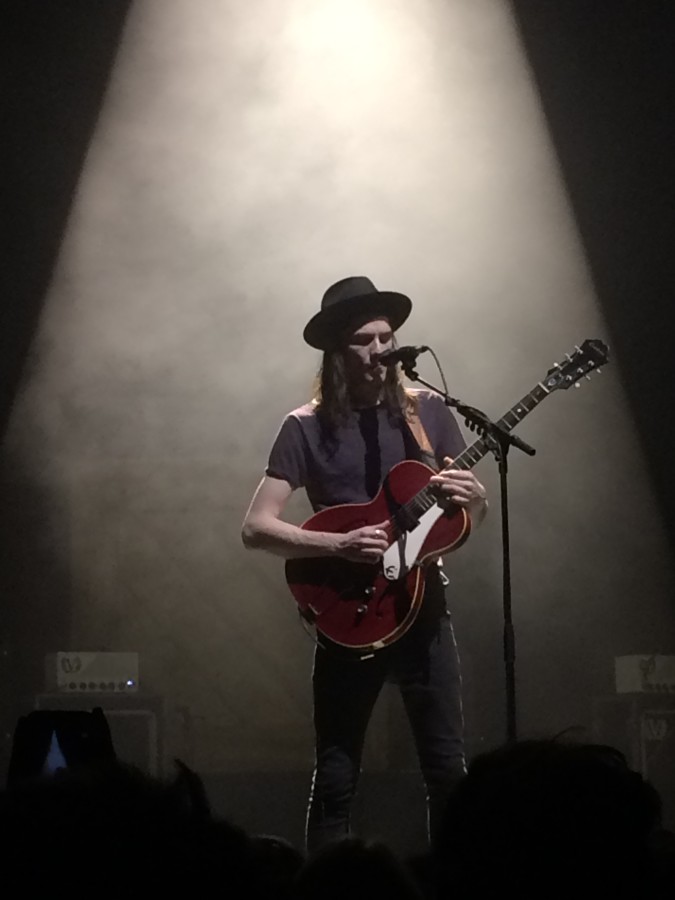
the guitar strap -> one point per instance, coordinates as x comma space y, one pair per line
425, 452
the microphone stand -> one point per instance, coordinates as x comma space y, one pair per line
498, 440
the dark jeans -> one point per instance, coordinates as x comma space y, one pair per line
425, 665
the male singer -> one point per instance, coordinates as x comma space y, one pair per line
339, 447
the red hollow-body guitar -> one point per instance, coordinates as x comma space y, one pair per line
364, 607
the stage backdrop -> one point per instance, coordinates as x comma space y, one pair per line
245, 156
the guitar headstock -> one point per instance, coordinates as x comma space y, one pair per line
592, 354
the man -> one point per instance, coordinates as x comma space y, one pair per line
339, 448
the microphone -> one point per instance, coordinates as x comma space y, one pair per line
406, 355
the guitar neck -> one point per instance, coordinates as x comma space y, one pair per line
473, 454
427, 497
592, 354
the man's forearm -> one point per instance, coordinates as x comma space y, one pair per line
290, 541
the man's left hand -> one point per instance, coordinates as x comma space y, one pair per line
462, 488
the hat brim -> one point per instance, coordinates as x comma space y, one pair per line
324, 329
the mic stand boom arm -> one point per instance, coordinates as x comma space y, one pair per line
475, 419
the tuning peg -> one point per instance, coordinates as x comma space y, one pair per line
577, 348
598, 371
588, 378
576, 384
568, 357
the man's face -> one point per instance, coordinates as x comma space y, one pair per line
364, 345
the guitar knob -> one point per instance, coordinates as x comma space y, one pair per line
369, 591
362, 609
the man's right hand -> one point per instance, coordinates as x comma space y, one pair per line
364, 545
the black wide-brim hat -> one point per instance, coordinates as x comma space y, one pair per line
353, 298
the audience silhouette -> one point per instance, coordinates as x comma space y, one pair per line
549, 818
538, 818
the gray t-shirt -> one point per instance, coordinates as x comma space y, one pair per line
351, 467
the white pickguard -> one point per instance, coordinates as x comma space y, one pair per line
400, 557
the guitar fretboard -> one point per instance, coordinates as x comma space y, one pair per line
473, 454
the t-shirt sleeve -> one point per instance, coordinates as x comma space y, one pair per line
288, 456
448, 438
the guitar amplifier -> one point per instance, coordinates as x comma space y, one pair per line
77, 671
642, 727
645, 674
